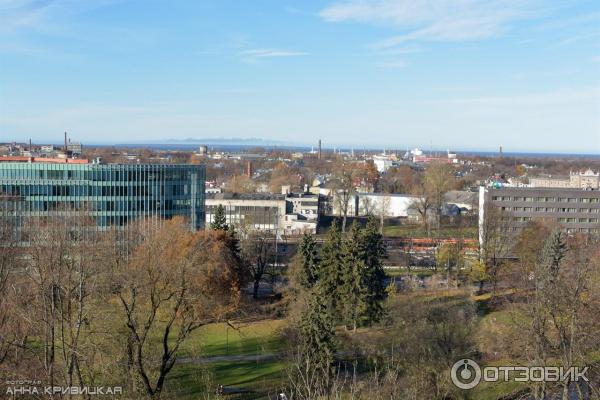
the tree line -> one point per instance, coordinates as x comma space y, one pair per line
102, 311
343, 283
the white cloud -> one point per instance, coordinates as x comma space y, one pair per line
16, 15
255, 54
440, 20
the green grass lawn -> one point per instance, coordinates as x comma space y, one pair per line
190, 380
261, 337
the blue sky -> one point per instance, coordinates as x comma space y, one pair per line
461, 74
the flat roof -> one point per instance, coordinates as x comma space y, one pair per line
23, 159
244, 196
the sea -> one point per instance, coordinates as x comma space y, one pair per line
239, 148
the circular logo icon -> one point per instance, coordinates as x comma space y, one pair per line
465, 374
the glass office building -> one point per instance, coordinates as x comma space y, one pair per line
109, 194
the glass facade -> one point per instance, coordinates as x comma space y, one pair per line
110, 194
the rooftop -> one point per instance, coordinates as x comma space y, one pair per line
24, 159
245, 196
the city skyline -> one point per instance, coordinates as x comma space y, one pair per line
460, 75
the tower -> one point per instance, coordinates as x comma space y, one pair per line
319, 149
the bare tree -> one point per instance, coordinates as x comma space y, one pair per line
63, 268
344, 190
240, 184
383, 210
496, 241
559, 304
258, 250
437, 180
176, 282
423, 205
11, 332
367, 206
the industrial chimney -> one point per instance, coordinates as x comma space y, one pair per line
319, 149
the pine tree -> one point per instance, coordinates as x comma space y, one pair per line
317, 346
309, 269
219, 222
331, 270
373, 273
353, 290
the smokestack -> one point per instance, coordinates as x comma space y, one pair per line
500, 152
319, 149
65, 142
29, 144
249, 171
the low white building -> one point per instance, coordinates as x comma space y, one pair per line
252, 210
286, 214
363, 204
305, 204
391, 205
382, 163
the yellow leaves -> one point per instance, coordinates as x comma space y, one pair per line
196, 268
478, 271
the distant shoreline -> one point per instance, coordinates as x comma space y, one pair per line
245, 147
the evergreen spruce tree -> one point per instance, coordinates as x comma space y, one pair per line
331, 270
219, 222
373, 273
553, 252
238, 262
353, 291
309, 268
317, 346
